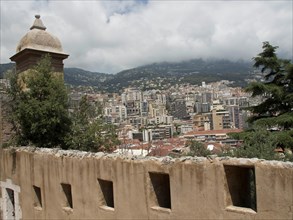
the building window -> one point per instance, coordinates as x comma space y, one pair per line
10, 203
67, 195
241, 186
107, 192
37, 197
161, 188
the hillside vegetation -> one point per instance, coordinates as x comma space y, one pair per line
158, 75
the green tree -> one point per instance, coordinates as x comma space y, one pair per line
197, 149
276, 90
276, 110
272, 119
262, 143
258, 142
39, 103
89, 132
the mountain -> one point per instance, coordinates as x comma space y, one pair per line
80, 77
4, 67
72, 76
159, 75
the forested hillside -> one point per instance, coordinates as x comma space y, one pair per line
158, 75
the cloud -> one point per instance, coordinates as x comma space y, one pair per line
109, 36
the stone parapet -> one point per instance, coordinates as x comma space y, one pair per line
60, 184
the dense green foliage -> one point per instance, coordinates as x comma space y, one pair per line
258, 143
276, 90
197, 149
272, 119
40, 116
261, 143
89, 132
39, 103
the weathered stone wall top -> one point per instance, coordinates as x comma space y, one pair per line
67, 184
57, 152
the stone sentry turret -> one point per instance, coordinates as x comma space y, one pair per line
36, 43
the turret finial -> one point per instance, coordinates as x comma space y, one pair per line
38, 24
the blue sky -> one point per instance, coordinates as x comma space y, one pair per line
109, 36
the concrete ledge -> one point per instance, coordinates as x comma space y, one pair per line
161, 209
107, 208
240, 209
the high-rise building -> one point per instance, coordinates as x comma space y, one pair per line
178, 109
235, 116
144, 109
220, 117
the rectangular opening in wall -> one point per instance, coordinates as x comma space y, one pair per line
106, 187
67, 195
241, 186
161, 187
37, 197
10, 204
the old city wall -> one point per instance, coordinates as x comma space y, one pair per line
57, 184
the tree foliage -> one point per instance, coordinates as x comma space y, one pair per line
197, 149
39, 113
276, 111
258, 143
89, 132
276, 90
262, 143
272, 119
39, 106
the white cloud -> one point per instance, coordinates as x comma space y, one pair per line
109, 36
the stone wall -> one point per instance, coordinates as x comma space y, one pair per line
57, 184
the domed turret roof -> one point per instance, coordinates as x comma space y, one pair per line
39, 39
